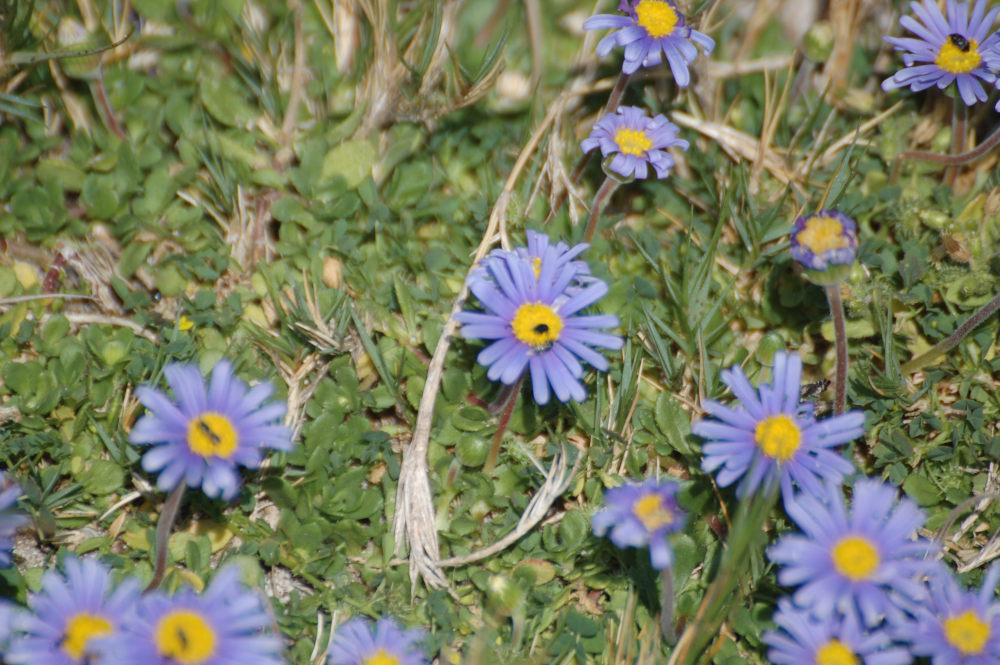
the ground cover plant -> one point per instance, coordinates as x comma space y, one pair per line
386, 333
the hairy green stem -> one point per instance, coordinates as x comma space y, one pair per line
600, 200
509, 400
950, 160
748, 525
840, 340
952, 340
167, 518
667, 603
958, 120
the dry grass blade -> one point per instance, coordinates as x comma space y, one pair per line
556, 482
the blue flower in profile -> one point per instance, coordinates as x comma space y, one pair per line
636, 141
640, 514
961, 49
650, 31
534, 323
72, 616
957, 627
770, 437
224, 625
825, 244
539, 250
357, 642
10, 518
804, 640
202, 438
861, 562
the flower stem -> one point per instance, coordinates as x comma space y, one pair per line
600, 200
952, 340
667, 606
840, 340
950, 160
510, 399
167, 518
614, 99
958, 118
746, 536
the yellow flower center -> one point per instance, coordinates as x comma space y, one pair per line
632, 141
536, 324
958, 55
212, 435
967, 633
80, 629
184, 636
778, 436
657, 17
835, 652
855, 558
381, 657
822, 234
652, 513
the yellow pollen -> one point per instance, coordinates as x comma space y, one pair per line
185, 637
823, 234
212, 435
967, 633
536, 266
778, 436
835, 652
657, 17
632, 141
855, 558
536, 325
381, 657
80, 629
953, 59
652, 513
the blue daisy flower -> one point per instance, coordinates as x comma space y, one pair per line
8, 617
636, 141
534, 322
10, 518
957, 627
862, 562
805, 640
200, 439
642, 514
358, 643
224, 625
770, 437
825, 244
961, 48
72, 616
650, 31
541, 250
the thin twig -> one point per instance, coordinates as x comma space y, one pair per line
949, 160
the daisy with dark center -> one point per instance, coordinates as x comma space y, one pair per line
961, 48
200, 440
861, 562
650, 31
771, 438
535, 323
357, 642
10, 518
957, 627
225, 624
72, 616
642, 514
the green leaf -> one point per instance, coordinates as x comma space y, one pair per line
351, 160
